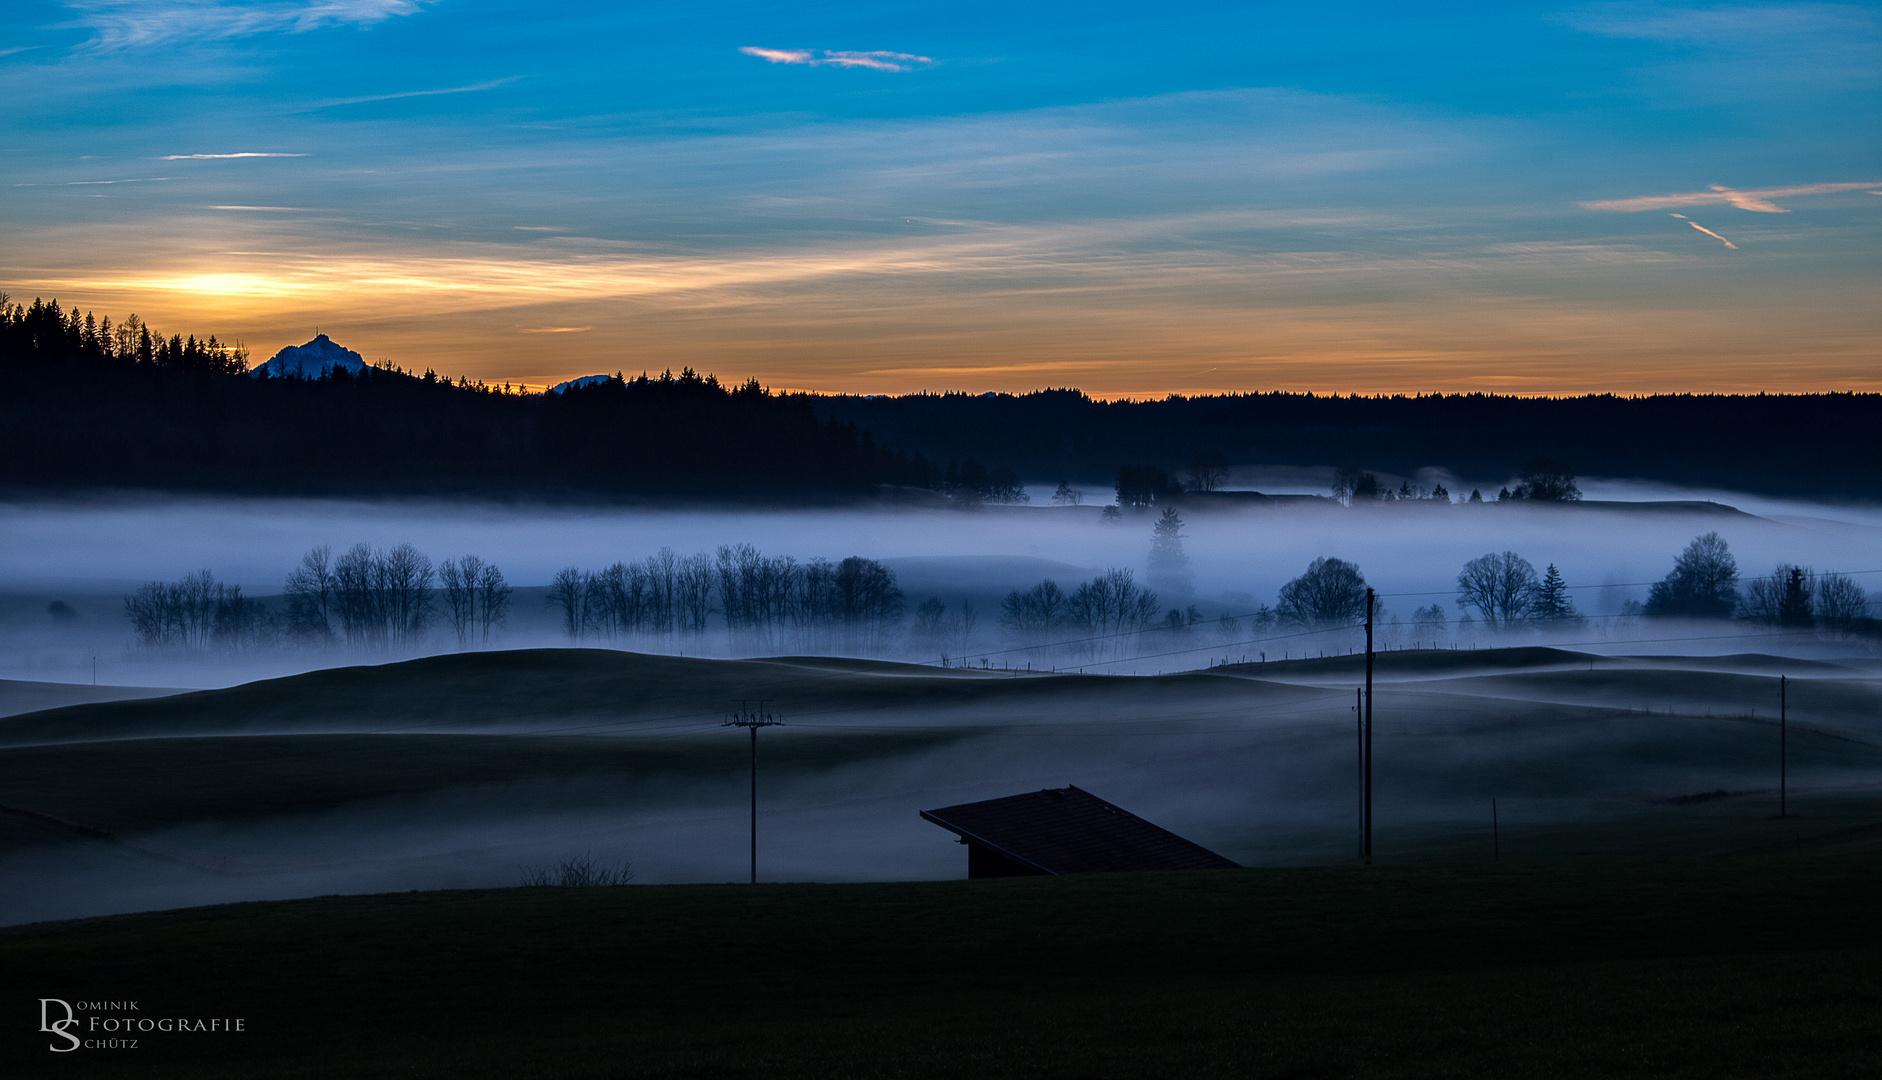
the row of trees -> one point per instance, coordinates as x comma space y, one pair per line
1506, 592
1502, 590
1808, 444
766, 603
44, 329
197, 612
1705, 582
93, 404
1102, 615
366, 598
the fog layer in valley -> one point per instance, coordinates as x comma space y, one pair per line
377, 771
66, 566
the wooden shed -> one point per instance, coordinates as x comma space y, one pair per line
1065, 831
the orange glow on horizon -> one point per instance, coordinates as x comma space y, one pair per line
1001, 309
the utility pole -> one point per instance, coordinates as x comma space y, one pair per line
1367, 815
1783, 747
753, 720
1359, 763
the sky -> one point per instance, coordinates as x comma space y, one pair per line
1134, 200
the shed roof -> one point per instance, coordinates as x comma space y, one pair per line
1071, 831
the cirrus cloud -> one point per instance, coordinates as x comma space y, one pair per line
877, 60
218, 157
132, 23
1757, 199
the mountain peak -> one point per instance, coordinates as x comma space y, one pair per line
313, 360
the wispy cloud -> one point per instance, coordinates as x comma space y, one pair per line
217, 157
124, 24
1744, 51
87, 183
293, 209
1720, 24
556, 329
1757, 199
877, 60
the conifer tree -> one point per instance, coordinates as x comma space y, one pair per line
1169, 566
1552, 603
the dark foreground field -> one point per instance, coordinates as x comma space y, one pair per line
1748, 965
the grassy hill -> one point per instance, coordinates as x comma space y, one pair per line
459, 770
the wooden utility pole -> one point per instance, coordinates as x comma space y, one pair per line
747, 718
1367, 814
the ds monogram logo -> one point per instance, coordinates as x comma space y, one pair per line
103, 1025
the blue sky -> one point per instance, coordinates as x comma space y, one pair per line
884, 198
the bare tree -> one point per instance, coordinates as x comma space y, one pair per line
406, 576
694, 594
1208, 469
569, 591
872, 603
1546, 479
1840, 602
148, 610
187, 613
1032, 615
931, 624
310, 591
1784, 598
966, 624
460, 598
1704, 582
493, 600
1111, 609
1332, 592
1501, 586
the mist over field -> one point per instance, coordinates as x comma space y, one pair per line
378, 770
87, 555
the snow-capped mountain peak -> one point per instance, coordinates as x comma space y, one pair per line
310, 361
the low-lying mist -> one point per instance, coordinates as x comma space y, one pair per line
66, 566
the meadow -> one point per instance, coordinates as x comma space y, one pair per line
1751, 965
467, 770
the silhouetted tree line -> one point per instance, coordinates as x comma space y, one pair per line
368, 599
1507, 593
43, 332
197, 612
766, 603
90, 404
1112, 618
1099, 619
1815, 444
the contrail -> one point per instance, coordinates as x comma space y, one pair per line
1705, 230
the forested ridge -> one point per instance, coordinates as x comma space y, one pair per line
1823, 445
89, 405
92, 405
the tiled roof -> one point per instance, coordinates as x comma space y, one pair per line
1071, 831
